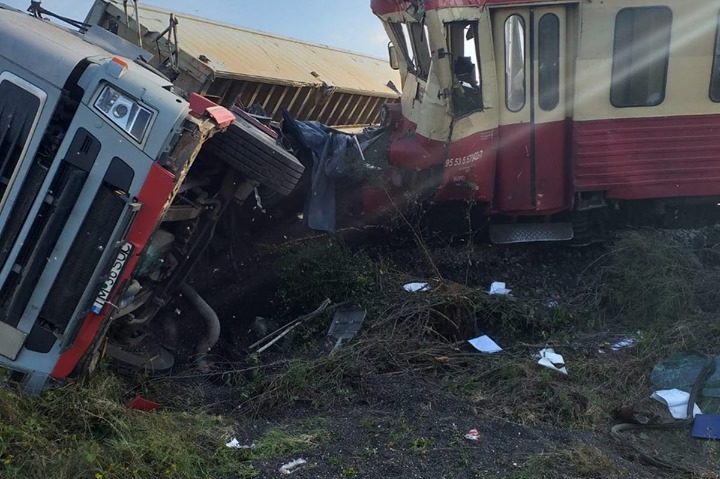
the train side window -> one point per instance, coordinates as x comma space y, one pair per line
549, 61
467, 94
640, 56
715, 78
515, 63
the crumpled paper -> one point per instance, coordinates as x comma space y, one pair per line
552, 360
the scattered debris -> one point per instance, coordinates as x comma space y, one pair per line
473, 435
416, 287
235, 444
676, 401
292, 466
682, 370
258, 200
624, 343
141, 404
706, 426
345, 325
628, 415
280, 333
498, 288
485, 344
552, 360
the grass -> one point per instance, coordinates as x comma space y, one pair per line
644, 282
317, 381
579, 461
286, 441
87, 431
651, 279
350, 471
322, 270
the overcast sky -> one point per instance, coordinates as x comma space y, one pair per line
346, 24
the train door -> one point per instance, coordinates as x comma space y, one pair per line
531, 46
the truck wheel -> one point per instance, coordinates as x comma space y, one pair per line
257, 155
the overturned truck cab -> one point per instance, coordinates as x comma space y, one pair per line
101, 214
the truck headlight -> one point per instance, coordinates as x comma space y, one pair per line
124, 112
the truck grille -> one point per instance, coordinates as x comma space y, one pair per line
48, 224
84, 256
31, 184
39, 244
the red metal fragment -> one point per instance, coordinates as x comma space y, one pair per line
141, 404
199, 106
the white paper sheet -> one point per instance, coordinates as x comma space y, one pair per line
676, 401
499, 288
292, 466
415, 287
552, 360
235, 444
485, 344
623, 343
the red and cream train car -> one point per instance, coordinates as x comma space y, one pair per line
553, 110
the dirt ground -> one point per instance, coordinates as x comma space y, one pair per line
406, 427
410, 422
399, 398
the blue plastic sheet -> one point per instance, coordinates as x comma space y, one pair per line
335, 158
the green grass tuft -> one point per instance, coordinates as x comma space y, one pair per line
324, 270
651, 279
88, 432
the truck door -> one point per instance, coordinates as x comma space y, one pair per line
532, 168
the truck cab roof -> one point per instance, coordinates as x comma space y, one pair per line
48, 50
51, 51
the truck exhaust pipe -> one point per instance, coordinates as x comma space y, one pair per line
212, 323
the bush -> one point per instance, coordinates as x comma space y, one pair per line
324, 270
651, 279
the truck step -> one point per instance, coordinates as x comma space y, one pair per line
530, 232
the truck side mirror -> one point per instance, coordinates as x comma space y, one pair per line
392, 53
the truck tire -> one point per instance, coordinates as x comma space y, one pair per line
257, 155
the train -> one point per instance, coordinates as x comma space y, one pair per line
553, 116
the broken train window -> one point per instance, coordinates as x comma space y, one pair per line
421, 48
413, 43
464, 48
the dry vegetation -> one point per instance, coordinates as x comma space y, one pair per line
644, 282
